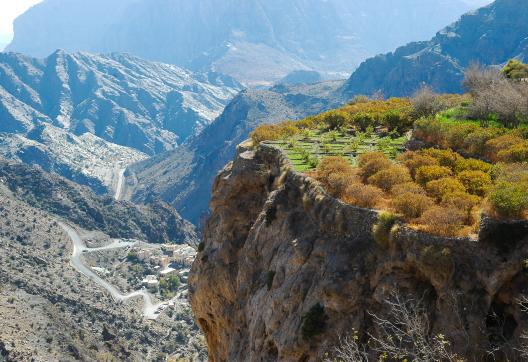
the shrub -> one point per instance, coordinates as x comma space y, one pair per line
372, 163
407, 187
335, 119
381, 231
511, 172
496, 145
446, 158
427, 174
509, 199
456, 136
429, 130
464, 202
515, 69
444, 186
201, 247
475, 182
314, 321
336, 174
475, 142
273, 132
515, 153
271, 215
270, 275
443, 221
426, 103
363, 195
411, 205
414, 160
387, 178
364, 121
471, 164
397, 121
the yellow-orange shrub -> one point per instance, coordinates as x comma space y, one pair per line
371, 163
407, 187
387, 178
444, 186
410, 205
427, 174
443, 221
361, 195
475, 182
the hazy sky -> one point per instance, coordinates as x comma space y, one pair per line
9, 10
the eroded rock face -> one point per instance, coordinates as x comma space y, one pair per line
276, 245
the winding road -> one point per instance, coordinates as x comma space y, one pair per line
119, 187
150, 310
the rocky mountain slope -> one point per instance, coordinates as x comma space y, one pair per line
184, 177
87, 117
49, 310
120, 98
491, 35
287, 272
157, 223
257, 42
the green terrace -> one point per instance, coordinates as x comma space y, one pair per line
306, 149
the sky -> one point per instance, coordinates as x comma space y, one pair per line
9, 10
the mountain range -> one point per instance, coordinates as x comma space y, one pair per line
258, 42
87, 116
490, 36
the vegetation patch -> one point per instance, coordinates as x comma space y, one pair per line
314, 321
475, 156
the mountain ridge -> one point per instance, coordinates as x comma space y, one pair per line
490, 35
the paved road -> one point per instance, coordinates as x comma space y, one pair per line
119, 187
149, 308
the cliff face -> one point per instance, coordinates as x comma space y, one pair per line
276, 245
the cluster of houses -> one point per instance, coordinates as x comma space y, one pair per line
173, 260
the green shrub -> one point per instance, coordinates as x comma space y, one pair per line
381, 231
427, 174
362, 195
444, 186
270, 275
397, 121
387, 178
201, 247
132, 257
411, 205
335, 119
314, 321
515, 69
475, 182
363, 121
509, 199
271, 215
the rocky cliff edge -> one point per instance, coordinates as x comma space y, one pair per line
277, 246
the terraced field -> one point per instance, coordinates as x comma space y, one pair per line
305, 150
